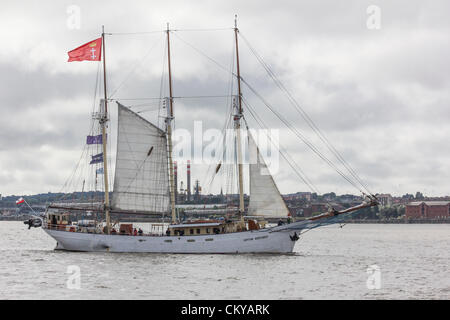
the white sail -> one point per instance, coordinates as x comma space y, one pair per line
141, 176
265, 198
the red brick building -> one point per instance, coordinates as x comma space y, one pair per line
428, 209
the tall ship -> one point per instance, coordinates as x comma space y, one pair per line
144, 184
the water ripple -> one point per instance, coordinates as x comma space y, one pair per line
328, 263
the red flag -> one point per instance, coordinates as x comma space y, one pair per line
91, 51
20, 200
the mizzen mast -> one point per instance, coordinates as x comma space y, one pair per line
169, 120
237, 125
103, 120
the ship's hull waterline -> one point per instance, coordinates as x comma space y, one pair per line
257, 241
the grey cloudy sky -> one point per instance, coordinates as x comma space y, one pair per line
382, 96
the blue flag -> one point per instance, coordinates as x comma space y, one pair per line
99, 171
94, 139
97, 158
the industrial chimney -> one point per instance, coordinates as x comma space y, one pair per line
188, 187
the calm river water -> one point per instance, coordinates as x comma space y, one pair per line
410, 262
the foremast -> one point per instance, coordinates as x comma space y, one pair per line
169, 119
237, 126
103, 120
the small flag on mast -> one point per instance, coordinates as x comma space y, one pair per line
97, 158
94, 139
99, 171
20, 200
91, 51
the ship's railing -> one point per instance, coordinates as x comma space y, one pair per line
93, 230
62, 227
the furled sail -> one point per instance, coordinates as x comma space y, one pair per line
265, 198
141, 181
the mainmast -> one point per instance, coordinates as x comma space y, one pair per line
237, 125
103, 120
169, 119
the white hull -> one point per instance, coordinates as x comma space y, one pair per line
258, 241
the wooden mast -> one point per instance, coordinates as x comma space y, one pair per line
238, 125
103, 121
169, 132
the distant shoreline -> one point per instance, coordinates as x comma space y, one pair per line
353, 221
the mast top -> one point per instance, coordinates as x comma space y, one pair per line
235, 21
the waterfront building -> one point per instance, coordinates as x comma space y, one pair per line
428, 209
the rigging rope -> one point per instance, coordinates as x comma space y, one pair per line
298, 134
131, 33
210, 29
70, 180
301, 136
135, 67
282, 151
162, 86
305, 116
228, 118
280, 85
164, 31
212, 165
